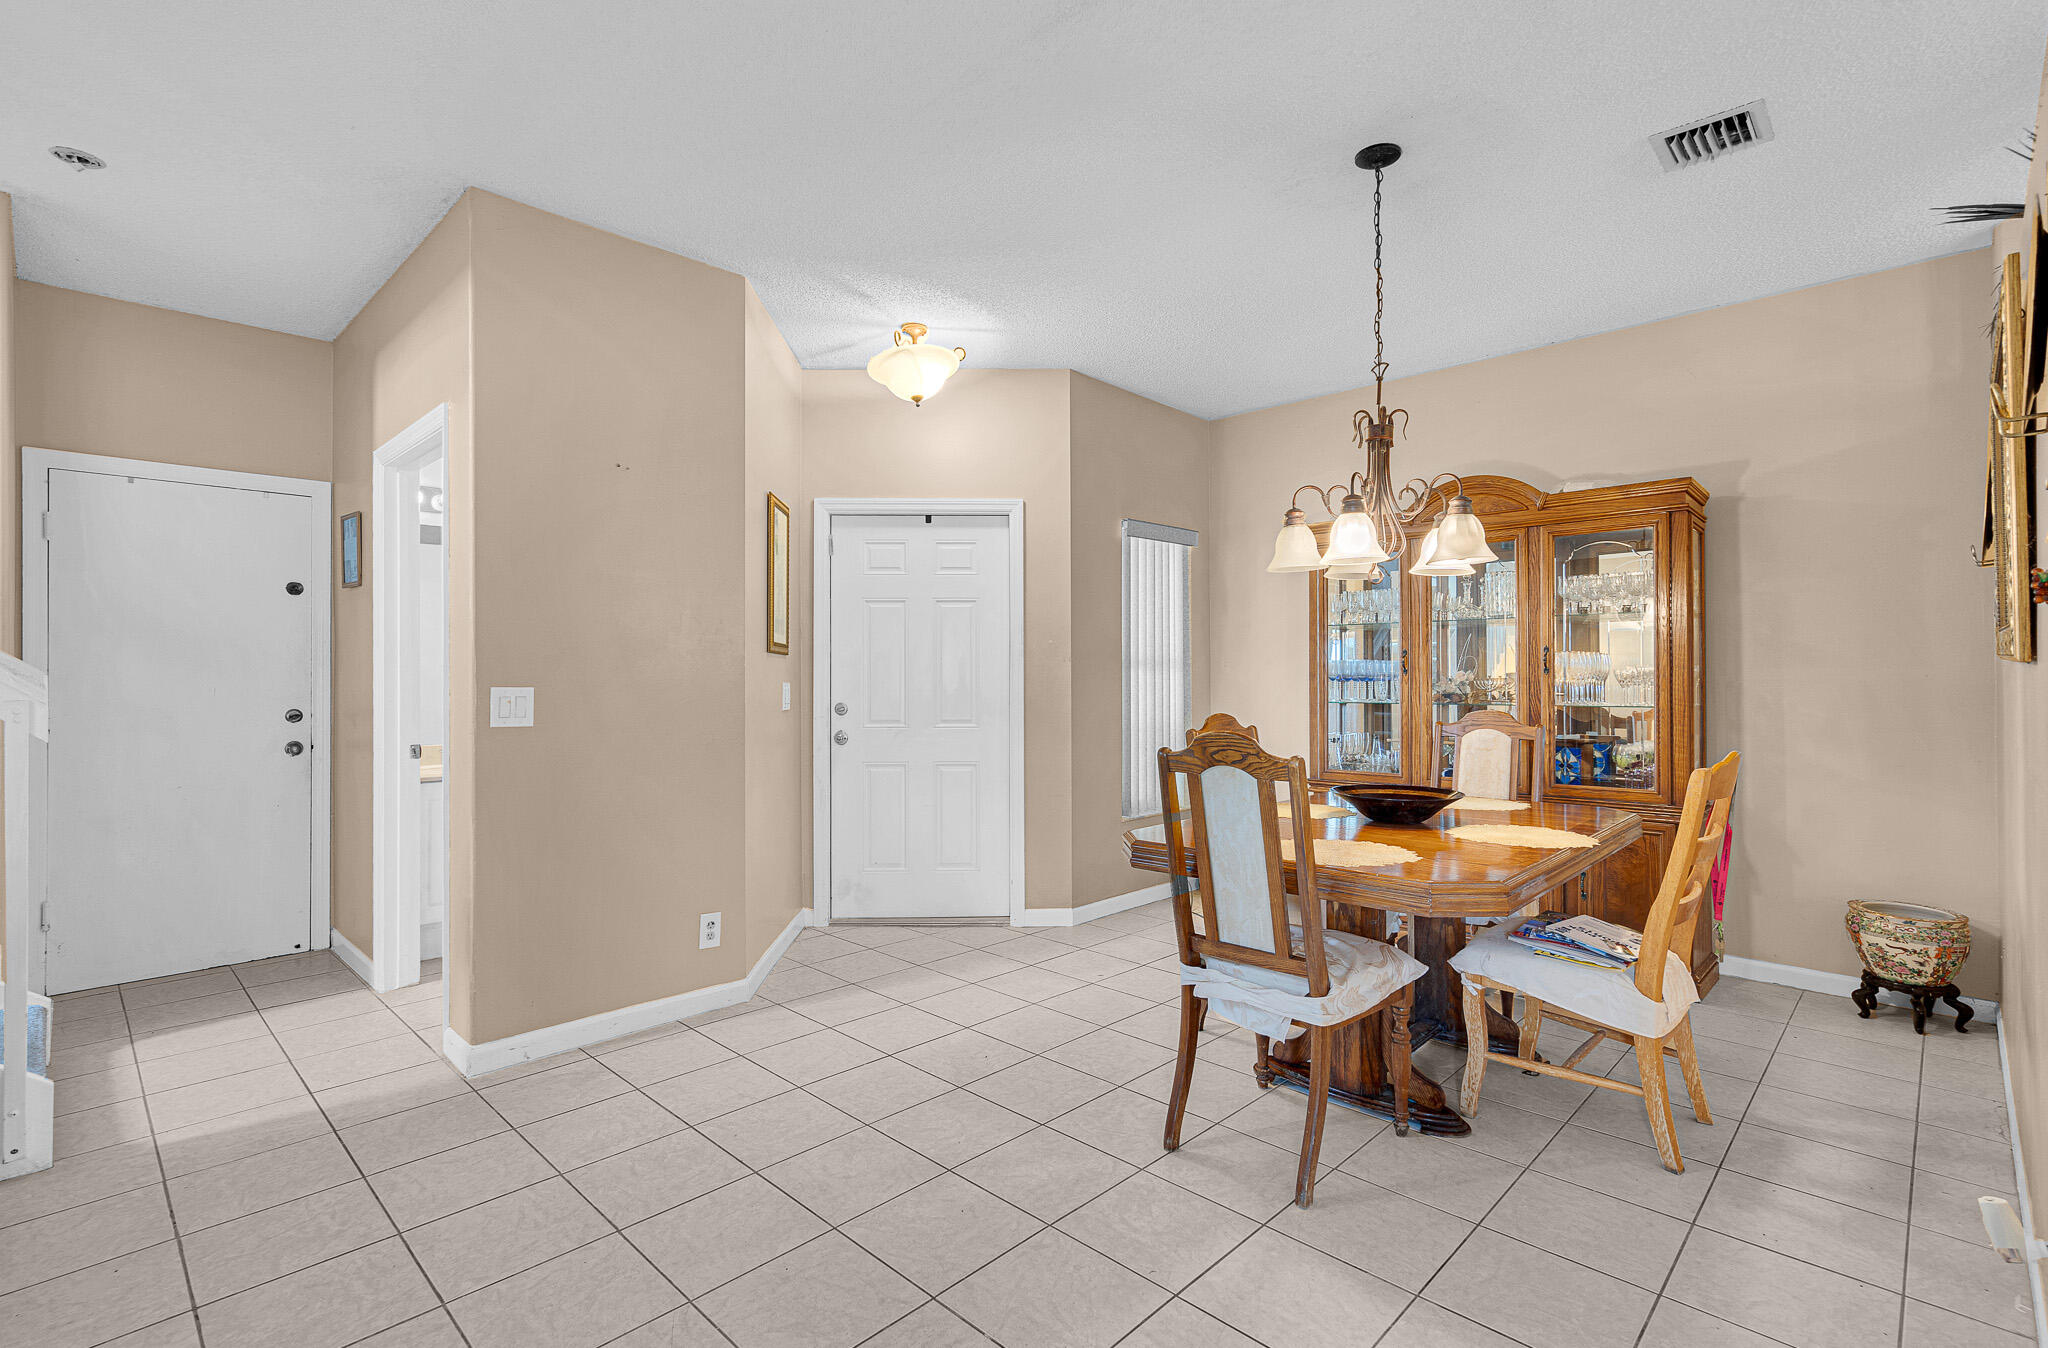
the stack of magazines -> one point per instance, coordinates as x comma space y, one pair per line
1582, 940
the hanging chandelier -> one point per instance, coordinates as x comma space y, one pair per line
1372, 521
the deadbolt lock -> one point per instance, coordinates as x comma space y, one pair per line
839, 709
294, 716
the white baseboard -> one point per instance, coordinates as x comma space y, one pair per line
1088, 912
345, 951
1841, 985
474, 1060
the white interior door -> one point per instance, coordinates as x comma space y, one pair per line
184, 711
919, 659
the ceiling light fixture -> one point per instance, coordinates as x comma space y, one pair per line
1372, 521
78, 159
913, 369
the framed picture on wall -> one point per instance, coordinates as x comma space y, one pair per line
778, 576
352, 549
2011, 475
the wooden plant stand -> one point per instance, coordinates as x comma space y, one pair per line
1923, 996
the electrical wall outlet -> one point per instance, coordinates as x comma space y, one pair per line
708, 927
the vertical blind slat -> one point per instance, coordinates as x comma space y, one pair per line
1158, 674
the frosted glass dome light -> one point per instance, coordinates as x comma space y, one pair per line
912, 369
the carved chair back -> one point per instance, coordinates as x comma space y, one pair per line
1231, 832
1484, 747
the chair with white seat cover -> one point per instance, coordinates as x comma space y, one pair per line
1278, 979
1646, 1006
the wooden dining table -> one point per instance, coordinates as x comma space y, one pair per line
1451, 880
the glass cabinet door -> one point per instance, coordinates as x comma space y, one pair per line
1474, 645
1603, 659
1363, 670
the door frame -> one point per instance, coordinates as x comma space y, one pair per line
36, 465
823, 509
395, 832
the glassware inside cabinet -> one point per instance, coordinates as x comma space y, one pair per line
1603, 663
1473, 644
1364, 672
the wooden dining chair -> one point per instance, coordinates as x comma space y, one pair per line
1646, 1007
1485, 745
1257, 969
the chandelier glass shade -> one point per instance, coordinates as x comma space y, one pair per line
1295, 549
1373, 521
913, 369
1429, 563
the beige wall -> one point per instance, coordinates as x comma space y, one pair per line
1132, 459
101, 376
1840, 431
996, 434
2023, 763
609, 528
778, 754
404, 354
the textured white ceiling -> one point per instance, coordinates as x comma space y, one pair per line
1158, 193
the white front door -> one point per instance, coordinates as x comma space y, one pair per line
919, 701
182, 720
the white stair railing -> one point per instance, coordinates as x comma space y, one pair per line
25, 1099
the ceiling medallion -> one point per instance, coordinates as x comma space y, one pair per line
1373, 521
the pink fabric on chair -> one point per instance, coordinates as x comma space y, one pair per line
1717, 885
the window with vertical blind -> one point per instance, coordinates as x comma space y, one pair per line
1158, 665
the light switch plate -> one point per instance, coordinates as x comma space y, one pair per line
511, 706
785, 697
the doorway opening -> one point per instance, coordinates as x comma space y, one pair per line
409, 715
917, 714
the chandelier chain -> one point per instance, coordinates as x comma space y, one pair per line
1379, 297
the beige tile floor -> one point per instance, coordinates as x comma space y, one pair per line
927, 1137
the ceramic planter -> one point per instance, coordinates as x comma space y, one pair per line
1908, 942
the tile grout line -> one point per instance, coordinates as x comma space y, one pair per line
170, 1212
1030, 1055
365, 1179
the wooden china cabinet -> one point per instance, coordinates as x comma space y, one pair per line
1591, 624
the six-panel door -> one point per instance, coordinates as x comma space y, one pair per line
919, 699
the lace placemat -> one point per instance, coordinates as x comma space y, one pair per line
1520, 835
1488, 805
1353, 852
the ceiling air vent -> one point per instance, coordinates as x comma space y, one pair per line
1684, 146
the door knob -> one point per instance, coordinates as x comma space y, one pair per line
839, 737
292, 749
